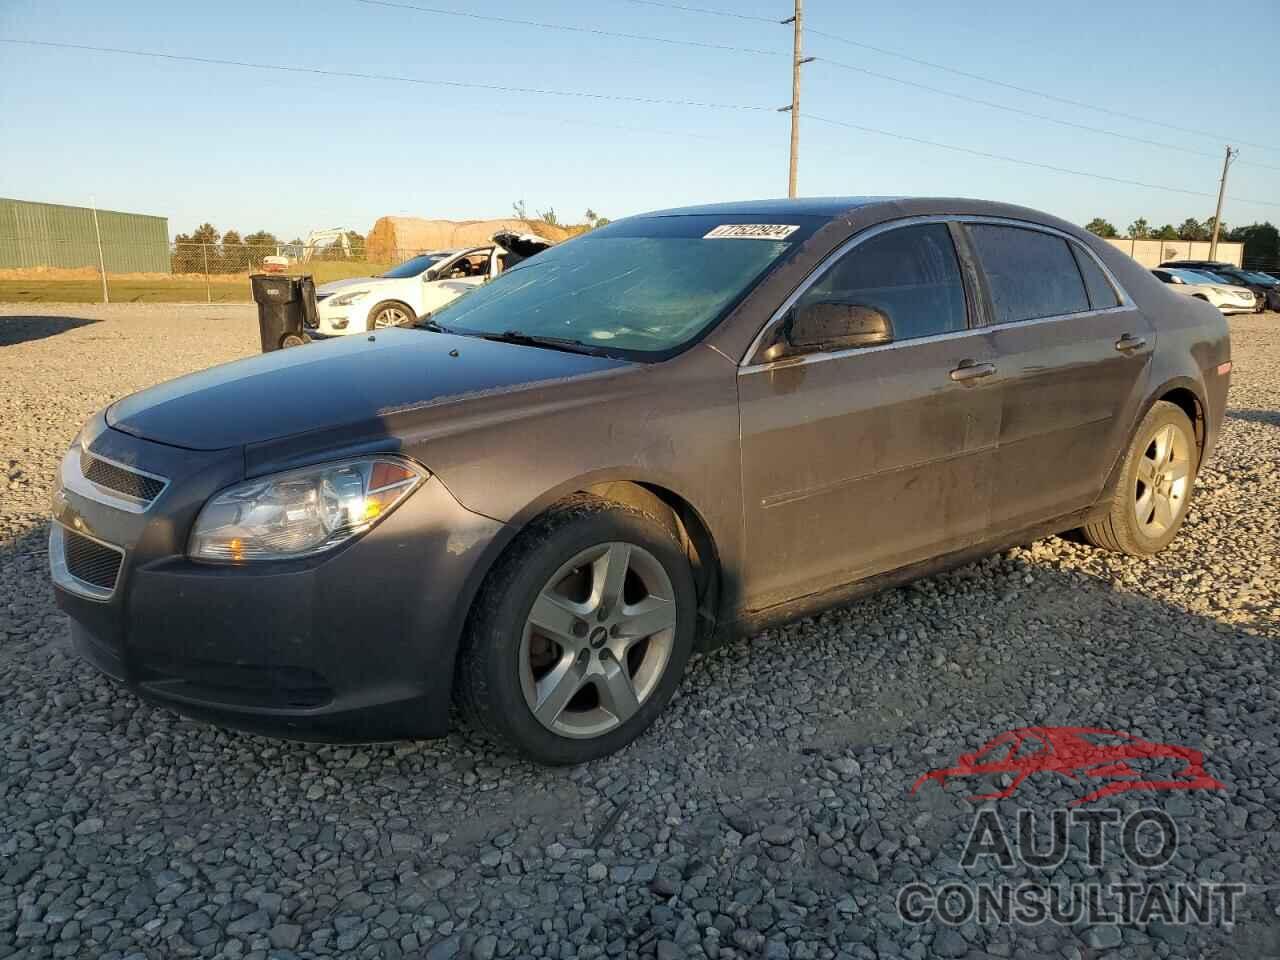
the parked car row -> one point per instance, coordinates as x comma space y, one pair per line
1230, 288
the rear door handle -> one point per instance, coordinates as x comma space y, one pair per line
969, 371
1129, 342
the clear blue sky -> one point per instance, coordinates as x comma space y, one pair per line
251, 149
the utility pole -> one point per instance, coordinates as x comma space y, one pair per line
796, 61
1217, 214
102, 262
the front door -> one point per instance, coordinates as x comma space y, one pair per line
862, 460
1073, 359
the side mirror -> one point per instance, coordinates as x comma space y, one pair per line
430, 275
839, 326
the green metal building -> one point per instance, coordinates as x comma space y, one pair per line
54, 235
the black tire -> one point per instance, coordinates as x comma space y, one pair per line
408, 317
488, 686
1120, 530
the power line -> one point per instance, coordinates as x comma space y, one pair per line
1035, 93
1026, 163
716, 13
1021, 112
616, 98
348, 75
976, 76
594, 31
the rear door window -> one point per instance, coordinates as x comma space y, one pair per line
910, 273
1102, 295
1030, 274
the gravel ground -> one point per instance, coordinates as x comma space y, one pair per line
768, 813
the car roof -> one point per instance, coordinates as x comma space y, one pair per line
829, 207
864, 209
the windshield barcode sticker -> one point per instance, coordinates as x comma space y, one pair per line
751, 231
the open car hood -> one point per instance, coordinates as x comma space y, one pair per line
521, 244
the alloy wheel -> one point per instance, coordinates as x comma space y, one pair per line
390, 317
1163, 480
597, 640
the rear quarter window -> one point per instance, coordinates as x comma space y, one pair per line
1102, 294
1029, 274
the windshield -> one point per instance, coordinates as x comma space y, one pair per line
1261, 278
647, 285
411, 268
1228, 276
1195, 276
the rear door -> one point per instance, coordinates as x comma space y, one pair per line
1073, 354
861, 460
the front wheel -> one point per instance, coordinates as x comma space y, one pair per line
1153, 495
581, 633
390, 314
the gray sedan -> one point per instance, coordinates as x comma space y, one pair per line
670, 431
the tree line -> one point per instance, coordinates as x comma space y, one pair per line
1261, 240
206, 249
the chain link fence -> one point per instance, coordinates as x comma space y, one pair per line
175, 272
204, 272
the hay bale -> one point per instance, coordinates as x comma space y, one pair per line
397, 238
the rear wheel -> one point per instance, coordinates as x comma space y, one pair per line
391, 313
581, 632
1154, 492
294, 340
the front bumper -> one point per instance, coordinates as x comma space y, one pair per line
357, 644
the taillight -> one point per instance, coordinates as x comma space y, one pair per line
1224, 368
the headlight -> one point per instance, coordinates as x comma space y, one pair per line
302, 512
1219, 291
346, 299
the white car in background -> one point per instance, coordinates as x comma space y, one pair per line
416, 288
1206, 286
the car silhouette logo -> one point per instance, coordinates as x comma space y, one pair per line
1077, 753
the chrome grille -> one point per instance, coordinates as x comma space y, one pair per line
92, 562
104, 473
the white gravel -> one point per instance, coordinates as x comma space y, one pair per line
768, 812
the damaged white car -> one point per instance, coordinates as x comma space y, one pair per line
418, 287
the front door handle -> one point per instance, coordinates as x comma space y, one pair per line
1129, 342
969, 370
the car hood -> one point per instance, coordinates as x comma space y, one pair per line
352, 283
351, 382
1232, 288
521, 244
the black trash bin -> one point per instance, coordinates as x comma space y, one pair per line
286, 309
